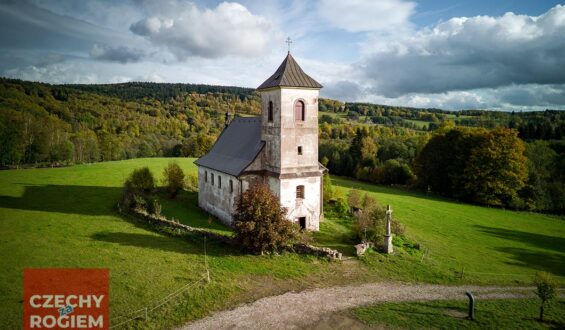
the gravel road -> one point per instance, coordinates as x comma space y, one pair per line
298, 310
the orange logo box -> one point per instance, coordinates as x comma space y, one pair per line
66, 298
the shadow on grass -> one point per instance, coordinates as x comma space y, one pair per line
551, 260
165, 243
546, 242
100, 201
85, 200
544, 261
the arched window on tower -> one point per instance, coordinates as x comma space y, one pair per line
270, 112
299, 111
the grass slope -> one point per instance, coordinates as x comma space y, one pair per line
64, 217
490, 245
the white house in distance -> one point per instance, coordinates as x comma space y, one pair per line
279, 148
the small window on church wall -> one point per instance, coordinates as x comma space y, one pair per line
231, 185
299, 111
219, 181
300, 150
212, 178
205, 176
299, 191
270, 111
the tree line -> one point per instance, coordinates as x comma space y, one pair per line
63, 124
508, 159
484, 166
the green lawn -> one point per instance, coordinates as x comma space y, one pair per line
185, 209
489, 245
65, 217
489, 314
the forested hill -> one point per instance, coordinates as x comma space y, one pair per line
158, 91
42, 123
521, 155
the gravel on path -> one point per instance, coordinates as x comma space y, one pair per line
297, 310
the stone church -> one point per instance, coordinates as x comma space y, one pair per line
278, 148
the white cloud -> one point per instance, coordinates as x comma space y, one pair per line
509, 62
186, 30
471, 53
59, 73
514, 97
367, 15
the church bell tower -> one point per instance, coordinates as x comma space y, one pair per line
289, 128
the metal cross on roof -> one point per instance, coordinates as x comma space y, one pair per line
288, 41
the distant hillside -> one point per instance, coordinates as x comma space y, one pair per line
159, 91
546, 125
51, 125
43, 123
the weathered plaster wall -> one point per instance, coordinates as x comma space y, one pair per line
270, 131
283, 136
299, 133
220, 202
308, 207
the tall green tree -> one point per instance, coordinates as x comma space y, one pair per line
496, 169
541, 158
173, 179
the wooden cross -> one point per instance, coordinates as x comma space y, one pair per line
288, 41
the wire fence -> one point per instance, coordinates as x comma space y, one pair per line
143, 313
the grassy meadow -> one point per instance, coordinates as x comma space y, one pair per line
488, 245
489, 314
65, 217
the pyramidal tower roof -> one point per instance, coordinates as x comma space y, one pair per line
289, 74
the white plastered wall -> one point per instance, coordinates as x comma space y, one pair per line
219, 202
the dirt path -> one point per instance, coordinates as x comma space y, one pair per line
308, 308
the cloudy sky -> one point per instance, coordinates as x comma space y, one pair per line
486, 54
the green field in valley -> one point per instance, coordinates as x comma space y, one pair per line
65, 217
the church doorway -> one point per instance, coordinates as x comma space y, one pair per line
302, 222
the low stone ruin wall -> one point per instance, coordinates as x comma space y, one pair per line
176, 227
317, 251
163, 222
